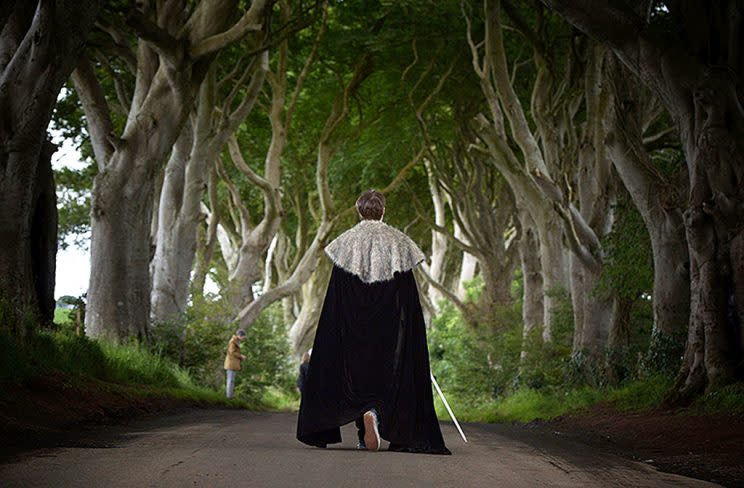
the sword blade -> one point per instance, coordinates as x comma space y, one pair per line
446, 405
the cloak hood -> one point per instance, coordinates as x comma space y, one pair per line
374, 251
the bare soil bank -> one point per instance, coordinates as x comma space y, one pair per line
701, 446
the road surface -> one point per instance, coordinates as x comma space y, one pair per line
234, 448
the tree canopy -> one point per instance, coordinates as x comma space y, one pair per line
572, 170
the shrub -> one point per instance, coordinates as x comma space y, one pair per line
267, 365
664, 354
198, 342
546, 364
461, 359
483, 364
727, 400
474, 363
486, 380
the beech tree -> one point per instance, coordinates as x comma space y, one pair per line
186, 173
246, 241
562, 153
176, 46
485, 217
494, 77
39, 46
635, 130
584, 204
336, 115
689, 55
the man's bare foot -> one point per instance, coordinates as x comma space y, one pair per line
371, 433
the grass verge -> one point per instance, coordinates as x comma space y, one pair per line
76, 362
526, 405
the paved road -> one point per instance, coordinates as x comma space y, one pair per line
231, 448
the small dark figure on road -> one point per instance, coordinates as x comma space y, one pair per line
370, 363
304, 366
302, 378
233, 360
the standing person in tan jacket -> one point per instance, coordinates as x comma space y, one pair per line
233, 358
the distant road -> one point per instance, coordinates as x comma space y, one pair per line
233, 448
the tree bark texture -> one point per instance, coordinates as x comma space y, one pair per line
176, 232
468, 265
532, 288
659, 199
438, 240
302, 330
39, 46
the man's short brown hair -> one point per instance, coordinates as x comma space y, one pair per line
371, 205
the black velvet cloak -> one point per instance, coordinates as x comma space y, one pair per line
370, 352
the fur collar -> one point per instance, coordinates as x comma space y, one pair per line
374, 251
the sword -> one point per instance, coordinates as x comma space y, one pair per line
446, 405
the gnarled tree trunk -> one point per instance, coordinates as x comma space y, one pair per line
119, 289
658, 200
176, 234
169, 73
308, 261
438, 240
39, 46
594, 182
186, 176
253, 241
532, 287
28, 229
698, 81
506, 109
302, 330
